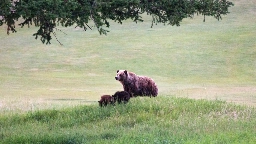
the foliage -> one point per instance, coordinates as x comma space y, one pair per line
47, 14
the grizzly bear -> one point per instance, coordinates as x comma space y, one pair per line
105, 100
137, 85
121, 96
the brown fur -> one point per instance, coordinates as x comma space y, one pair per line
121, 96
137, 85
105, 100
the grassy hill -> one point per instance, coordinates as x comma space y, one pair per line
49, 93
162, 120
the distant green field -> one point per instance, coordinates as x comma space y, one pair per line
201, 60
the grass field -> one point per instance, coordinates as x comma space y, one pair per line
209, 60
49, 93
161, 120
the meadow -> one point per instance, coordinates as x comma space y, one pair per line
160, 120
205, 72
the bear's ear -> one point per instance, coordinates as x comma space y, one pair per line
117, 71
125, 71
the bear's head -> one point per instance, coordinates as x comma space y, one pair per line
100, 103
114, 97
121, 75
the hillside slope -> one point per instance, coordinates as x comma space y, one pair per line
143, 120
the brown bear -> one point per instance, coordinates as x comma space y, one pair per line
105, 100
137, 85
121, 96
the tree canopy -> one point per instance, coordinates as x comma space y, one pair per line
47, 14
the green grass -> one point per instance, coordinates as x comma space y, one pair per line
49, 93
143, 120
197, 60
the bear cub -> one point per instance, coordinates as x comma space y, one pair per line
121, 96
105, 100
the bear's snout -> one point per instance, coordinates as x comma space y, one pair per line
116, 78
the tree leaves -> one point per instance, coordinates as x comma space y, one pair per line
47, 14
